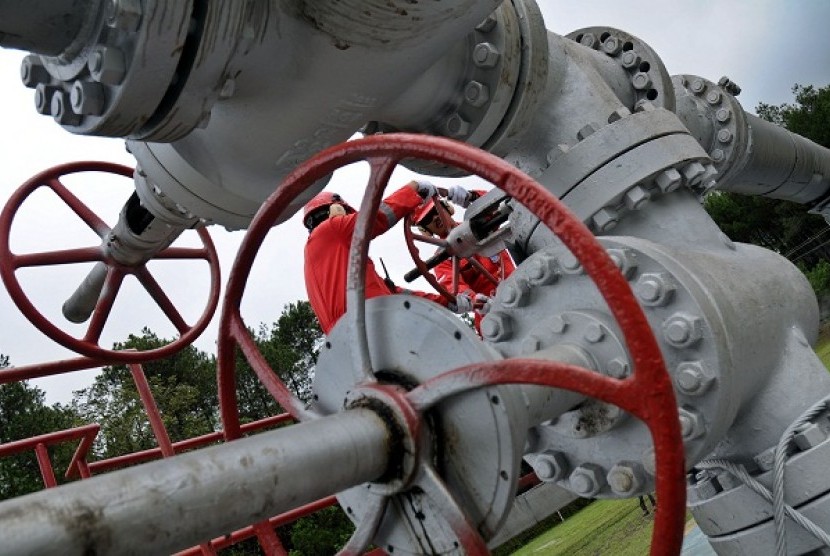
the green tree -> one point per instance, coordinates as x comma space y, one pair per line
183, 385
24, 414
782, 226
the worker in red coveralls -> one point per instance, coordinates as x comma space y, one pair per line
471, 281
331, 223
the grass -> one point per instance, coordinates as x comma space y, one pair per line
604, 527
615, 526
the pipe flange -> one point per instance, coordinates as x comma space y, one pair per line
685, 324
474, 438
728, 140
649, 79
490, 71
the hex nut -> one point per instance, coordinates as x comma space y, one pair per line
641, 81
33, 72
630, 59
809, 437
497, 326
587, 479
571, 264
693, 378
612, 46
625, 260
558, 324
87, 97
619, 114
655, 289
714, 97
594, 332
61, 111
589, 40
625, 478
542, 270
618, 368
531, 344
698, 86
693, 172
476, 94
485, 55
717, 155
457, 126
43, 98
588, 129
550, 466
724, 136
514, 293
683, 330
668, 180
605, 219
691, 424
487, 25
723, 115
106, 65
636, 198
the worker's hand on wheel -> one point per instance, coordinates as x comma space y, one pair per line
426, 189
464, 303
483, 304
459, 196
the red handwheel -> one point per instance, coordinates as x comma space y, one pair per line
647, 393
423, 267
89, 343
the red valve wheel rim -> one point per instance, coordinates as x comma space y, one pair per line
646, 393
11, 262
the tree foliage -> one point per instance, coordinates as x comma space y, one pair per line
782, 226
24, 414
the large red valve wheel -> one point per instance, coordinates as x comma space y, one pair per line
88, 344
647, 393
412, 239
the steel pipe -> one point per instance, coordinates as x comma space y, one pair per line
166, 506
45, 27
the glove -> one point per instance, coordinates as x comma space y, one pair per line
483, 303
464, 303
459, 196
426, 189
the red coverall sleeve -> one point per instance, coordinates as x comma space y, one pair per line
394, 207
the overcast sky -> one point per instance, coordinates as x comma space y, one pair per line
765, 46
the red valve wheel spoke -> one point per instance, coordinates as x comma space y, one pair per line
647, 393
78, 207
88, 345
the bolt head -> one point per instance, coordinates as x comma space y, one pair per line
724, 136
630, 59
106, 65
625, 260
717, 155
497, 326
692, 378
476, 94
636, 198
605, 220
43, 98
587, 479
589, 40
641, 81
87, 97
550, 465
668, 180
589, 129
714, 97
487, 25
61, 111
691, 424
558, 324
485, 55
542, 270
33, 72
693, 172
612, 46
655, 289
457, 126
513, 294
624, 478
594, 332
682, 330
698, 86
619, 114
618, 368
723, 115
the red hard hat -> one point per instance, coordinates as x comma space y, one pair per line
323, 200
423, 211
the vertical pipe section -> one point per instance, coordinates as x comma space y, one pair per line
170, 505
45, 27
